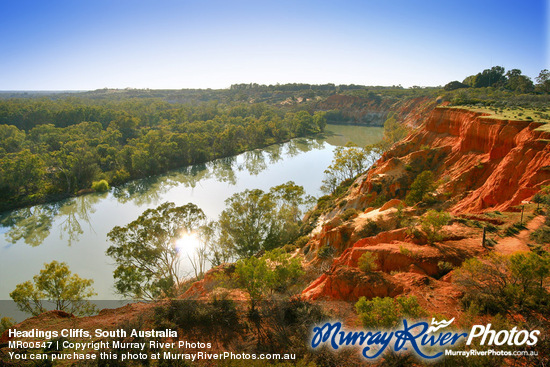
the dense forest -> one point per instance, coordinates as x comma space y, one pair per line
54, 148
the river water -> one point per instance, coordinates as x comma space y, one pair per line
75, 230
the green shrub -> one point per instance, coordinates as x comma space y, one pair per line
541, 235
432, 223
345, 234
100, 186
325, 252
325, 202
506, 284
6, 323
301, 241
405, 251
367, 262
369, 229
387, 312
274, 271
120, 176
378, 312
513, 229
289, 247
220, 313
348, 214
306, 228
380, 200
400, 216
410, 307
491, 228
422, 185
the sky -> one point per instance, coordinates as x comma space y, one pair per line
175, 44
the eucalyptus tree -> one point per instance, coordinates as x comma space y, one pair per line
58, 285
146, 252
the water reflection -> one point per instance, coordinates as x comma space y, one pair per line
148, 191
274, 153
76, 213
223, 170
142, 191
254, 162
33, 225
30, 224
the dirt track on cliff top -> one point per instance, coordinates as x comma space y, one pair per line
510, 245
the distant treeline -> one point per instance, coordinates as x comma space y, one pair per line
55, 148
291, 93
295, 87
498, 77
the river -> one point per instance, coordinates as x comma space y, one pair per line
74, 230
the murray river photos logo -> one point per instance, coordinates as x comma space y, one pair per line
428, 341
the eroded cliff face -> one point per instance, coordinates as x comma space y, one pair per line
481, 164
374, 110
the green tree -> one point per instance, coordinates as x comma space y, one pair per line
493, 77
291, 202
254, 220
11, 139
76, 166
320, 119
276, 270
538, 198
394, 131
455, 84
387, 312
530, 275
432, 223
518, 82
247, 223
543, 81
57, 284
6, 323
127, 125
146, 253
348, 162
422, 185
305, 123
21, 173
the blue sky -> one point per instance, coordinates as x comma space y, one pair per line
85, 44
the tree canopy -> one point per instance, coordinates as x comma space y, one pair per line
255, 220
422, 185
348, 162
145, 251
57, 284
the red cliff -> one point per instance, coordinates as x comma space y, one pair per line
481, 163
485, 163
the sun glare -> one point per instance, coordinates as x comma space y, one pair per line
187, 242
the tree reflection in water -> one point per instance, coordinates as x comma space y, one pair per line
30, 224
76, 212
33, 225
